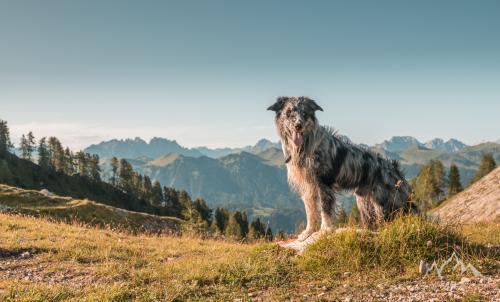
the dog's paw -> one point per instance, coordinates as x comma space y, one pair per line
325, 230
305, 234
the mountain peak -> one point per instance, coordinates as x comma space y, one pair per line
398, 143
452, 145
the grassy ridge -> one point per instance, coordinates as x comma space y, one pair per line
84, 211
68, 262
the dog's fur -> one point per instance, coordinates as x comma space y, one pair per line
320, 164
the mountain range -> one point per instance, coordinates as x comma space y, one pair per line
399, 143
253, 178
137, 147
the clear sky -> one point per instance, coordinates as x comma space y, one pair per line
203, 72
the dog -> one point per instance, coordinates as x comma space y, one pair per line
320, 163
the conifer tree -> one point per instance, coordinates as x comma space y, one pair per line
203, 211
171, 197
114, 170
244, 224
147, 189
221, 218
5, 143
157, 194
454, 185
257, 230
487, 165
186, 204
56, 154
429, 185
125, 174
137, 184
43, 154
94, 168
23, 145
31, 144
269, 233
82, 165
233, 228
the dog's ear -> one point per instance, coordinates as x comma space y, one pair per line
280, 102
312, 104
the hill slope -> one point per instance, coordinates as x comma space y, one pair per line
67, 209
478, 203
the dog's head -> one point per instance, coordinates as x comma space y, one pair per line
295, 117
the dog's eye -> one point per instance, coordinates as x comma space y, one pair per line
288, 112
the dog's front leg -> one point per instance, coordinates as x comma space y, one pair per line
311, 214
327, 201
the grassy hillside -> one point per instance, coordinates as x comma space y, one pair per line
46, 261
23, 173
84, 211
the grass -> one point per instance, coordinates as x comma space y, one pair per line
56, 257
69, 262
84, 211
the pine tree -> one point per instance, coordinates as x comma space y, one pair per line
454, 185
31, 144
186, 204
269, 233
203, 211
244, 224
69, 167
439, 180
5, 143
487, 165
171, 197
137, 184
114, 170
94, 168
429, 185
43, 154
82, 165
257, 230
56, 154
23, 145
157, 194
233, 228
221, 218
147, 189
125, 175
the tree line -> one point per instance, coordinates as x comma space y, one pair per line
50, 154
432, 185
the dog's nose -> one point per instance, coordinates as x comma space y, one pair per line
298, 127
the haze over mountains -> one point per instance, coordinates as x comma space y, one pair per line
253, 178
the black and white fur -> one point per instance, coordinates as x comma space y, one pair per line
320, 164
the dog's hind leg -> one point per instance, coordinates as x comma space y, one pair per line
311, 214
327, 202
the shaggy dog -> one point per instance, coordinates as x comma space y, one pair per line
320, 164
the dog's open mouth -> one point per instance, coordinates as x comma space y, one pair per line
297, 138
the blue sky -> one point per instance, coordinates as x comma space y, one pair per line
203, 72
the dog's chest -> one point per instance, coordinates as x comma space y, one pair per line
299, 176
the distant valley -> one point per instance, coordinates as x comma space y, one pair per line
253, 178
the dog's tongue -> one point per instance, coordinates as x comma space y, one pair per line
297, 139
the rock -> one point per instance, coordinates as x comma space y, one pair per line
25, 255
465, 280
46, 193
